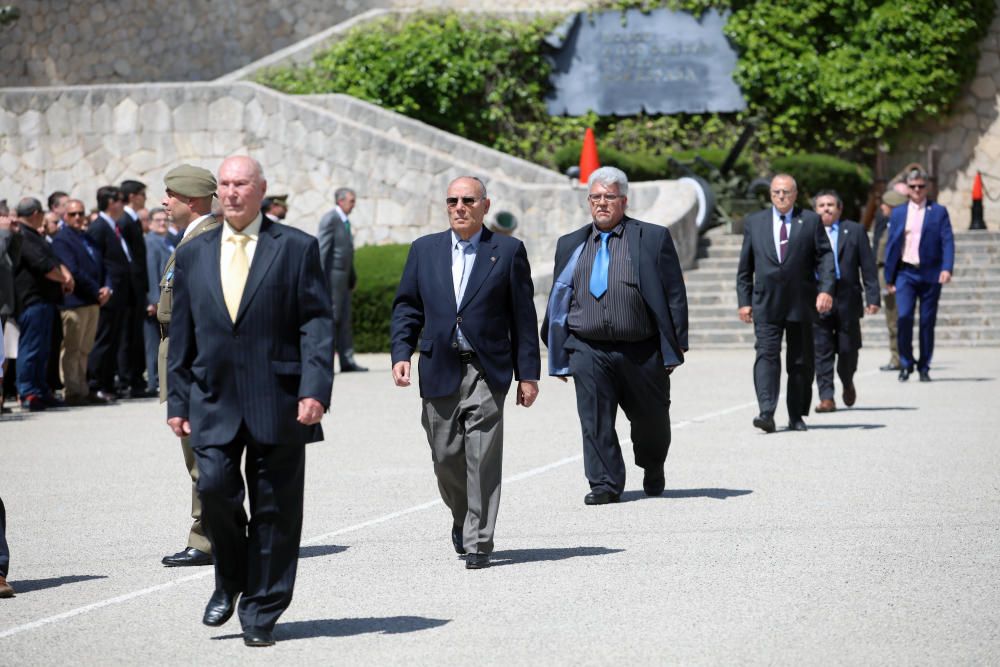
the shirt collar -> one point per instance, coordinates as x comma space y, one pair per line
131, 213
194, 223
106, 217
777, 215
473, 240
252, 230
917, 207
615, 231
340, 212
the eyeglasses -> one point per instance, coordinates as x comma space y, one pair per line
452, 202
782, 193
917, 186
73, 214
597, 199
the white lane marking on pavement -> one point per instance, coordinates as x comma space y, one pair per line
348, 529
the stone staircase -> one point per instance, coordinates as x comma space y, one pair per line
967, 312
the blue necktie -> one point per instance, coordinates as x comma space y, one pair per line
599, 274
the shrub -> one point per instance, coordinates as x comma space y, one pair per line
379, 269
815, 172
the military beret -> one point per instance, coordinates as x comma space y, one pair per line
190, 181
893, 199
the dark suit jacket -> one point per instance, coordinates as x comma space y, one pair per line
661, 285
254, 371
497, 314
116, 265
857, 267
779, 291
132, 233
336, 253
83, 259
937, 245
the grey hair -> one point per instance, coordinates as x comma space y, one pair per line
916, 173
482, 186
341, 193
608, 176
28, 206
789, 177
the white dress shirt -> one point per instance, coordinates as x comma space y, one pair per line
117, 232
462, 261
776, 219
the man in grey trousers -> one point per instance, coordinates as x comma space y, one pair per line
336, 253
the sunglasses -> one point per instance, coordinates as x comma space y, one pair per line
73, 214
918, 186
452, 202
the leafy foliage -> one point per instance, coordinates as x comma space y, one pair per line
379, 269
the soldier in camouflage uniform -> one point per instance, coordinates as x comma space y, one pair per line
189, 202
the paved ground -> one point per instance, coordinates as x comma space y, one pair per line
873, 538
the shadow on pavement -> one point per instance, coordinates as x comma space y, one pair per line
875, 408
349, 627
860, 427
515, 556
934, 379
315, 550
29, 585
718, 494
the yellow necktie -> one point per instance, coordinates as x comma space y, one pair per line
235, 278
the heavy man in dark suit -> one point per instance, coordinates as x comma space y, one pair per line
837, 333
919, 258
785, 276
465, 302
250, 371
336, 252
617, 323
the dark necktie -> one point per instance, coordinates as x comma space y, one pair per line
783, 238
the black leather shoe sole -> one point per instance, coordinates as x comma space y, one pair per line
258, 637
477, 561
189, 557
219, 609
456, 540
600, 498
764, 423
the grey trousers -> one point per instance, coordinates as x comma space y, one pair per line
465, 432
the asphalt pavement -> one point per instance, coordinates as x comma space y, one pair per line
873, 538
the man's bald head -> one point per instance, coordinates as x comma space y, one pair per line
241, 189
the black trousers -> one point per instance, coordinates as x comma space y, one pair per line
102, 363
131, 355
256, 556
799, 364
834, 336
630, 375
4, 551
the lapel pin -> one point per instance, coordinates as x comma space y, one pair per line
493, 259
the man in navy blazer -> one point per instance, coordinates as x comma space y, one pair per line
465, 301
919, 258
785, 276
250, 369
620, 341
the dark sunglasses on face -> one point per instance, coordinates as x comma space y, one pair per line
918, 186
452, 202
73, 214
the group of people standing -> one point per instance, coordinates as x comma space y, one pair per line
252, 333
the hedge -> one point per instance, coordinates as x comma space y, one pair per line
379, 269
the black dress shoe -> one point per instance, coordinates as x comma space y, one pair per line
456, 540
600, 498
477, 561
352, 368
925, 376
797, 425
904, 374
189, 556
258, 637
764, 422
220, 608
889, 367
143, 393
653, 481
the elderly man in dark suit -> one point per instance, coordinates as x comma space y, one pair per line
250, 372
617, 323
837, 333
465, 302
336, 251
785, 275
919, 259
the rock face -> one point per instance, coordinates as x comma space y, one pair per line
77, 139
966, 141
72, 42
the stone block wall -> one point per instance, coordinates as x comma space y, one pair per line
967, 140
60, 42
79, 138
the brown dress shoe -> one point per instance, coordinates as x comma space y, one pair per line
6, 590
826, 405
850, 395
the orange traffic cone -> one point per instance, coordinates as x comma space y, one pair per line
589, 161
977, 203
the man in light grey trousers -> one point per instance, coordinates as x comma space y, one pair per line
336, 252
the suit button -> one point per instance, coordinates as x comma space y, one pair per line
454, 344
459, 319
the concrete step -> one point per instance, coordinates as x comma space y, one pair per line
945, 307
731, 321
973, 336
963, 261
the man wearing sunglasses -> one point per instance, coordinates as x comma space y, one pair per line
617, 323
465, 301
919, 258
